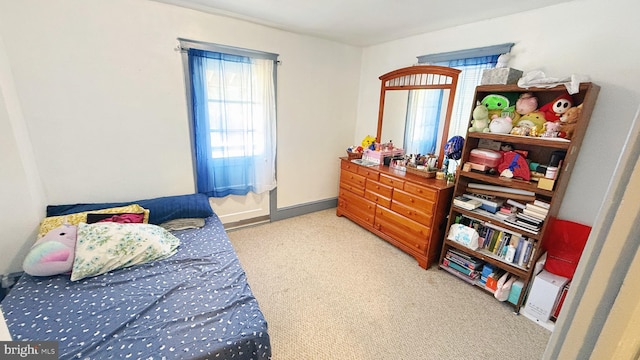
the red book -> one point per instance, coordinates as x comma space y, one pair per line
556, 311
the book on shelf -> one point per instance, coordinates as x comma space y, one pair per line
529, 219
471, 274
534, 214
466, 203
518, 254
523, 225
537, 209
541, 204
464, 259
531, 256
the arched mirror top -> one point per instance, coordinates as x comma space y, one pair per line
421, 77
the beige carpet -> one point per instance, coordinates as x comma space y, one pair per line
331, 290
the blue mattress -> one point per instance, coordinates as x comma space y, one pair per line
196, 304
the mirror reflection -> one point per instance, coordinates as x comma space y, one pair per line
413, 120
415, 108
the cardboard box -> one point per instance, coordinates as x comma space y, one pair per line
546, 184
544, 295
500, 76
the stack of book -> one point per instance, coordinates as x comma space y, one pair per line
529, 216
463, 263
538, 209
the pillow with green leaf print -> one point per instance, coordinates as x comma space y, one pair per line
103, 247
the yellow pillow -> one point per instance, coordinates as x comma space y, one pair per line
53, 222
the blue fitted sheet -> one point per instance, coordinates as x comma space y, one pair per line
196, 304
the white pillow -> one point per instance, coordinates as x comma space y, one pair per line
102, 247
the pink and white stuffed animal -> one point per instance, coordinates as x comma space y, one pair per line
53, 253
526, 103
551, 129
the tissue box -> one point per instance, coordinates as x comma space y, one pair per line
500, 76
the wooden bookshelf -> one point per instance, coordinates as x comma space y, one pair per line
538, 150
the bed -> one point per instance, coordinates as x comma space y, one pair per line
194, 304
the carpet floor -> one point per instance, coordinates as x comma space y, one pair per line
331, 290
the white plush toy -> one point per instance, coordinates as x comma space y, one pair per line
501, 125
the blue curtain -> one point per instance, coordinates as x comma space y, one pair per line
233, 107
474, 61
468, 79
424, 111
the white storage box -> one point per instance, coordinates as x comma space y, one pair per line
544, 294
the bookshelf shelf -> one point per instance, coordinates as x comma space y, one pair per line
500, 181
476, 214
521, 230
465, 279
489, 257
537, 141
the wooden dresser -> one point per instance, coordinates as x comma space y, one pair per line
407, 210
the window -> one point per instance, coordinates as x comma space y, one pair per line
236, 105
471, 62
232, 108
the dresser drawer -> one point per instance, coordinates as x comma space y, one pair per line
379, 188
357, 206
421, 191
349, 166
413, 201
368, 173
412, 213
402, 229
392, 181
352, 179
377, 198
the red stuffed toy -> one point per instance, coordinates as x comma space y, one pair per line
553, 110
514, 165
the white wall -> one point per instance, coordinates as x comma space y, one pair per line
588, 37
21, 192
101, 95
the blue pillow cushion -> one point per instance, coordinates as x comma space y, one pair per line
161, 209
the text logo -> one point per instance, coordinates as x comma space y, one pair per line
32, 350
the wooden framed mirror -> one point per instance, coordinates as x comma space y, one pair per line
394, 102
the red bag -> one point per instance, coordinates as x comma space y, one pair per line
564, 241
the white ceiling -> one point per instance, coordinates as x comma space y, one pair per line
362, 22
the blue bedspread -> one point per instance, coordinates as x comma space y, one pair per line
196, 304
